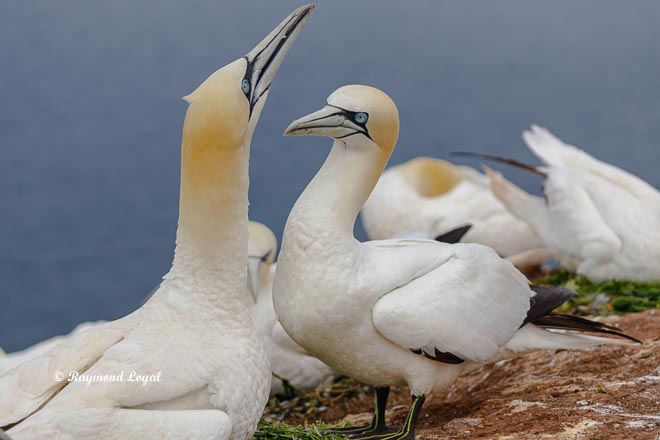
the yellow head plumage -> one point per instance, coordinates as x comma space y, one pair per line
353, 112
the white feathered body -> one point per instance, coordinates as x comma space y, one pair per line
287, 359
373, 303
11, 360
222, 368
434, 197
596, 219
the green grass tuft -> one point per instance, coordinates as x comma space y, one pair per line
605, 298
274, 431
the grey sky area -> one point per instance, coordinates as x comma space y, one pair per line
90, 126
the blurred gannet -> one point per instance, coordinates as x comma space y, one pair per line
435, 196
396, 312
287, 359
194, 339
597, 219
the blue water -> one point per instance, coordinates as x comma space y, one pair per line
90, 118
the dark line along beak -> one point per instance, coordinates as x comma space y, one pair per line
265, 59
330, 121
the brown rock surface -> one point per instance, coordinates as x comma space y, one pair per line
607, 392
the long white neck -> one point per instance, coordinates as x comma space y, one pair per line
333, 199
211, 244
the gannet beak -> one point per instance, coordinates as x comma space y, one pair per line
330, 121
265, 59
254, 272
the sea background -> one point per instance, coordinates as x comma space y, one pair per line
91, 115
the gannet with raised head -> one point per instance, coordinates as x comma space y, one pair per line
288, 360
434, 196
396, 312
204, 373
596, 218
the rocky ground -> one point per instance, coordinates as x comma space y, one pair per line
608, 392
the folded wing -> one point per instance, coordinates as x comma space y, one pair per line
465, 308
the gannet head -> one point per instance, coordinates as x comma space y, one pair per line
262, 247
355, 115
229, 102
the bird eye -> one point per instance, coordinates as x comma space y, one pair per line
245, 85
361, 118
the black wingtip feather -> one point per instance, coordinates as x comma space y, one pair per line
569, 322
454, 236
504, 160
546, 300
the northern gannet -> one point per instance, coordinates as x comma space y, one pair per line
203, 373
288, 360
434, 196
597, 219
396, 312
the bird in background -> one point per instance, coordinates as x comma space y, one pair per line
194, 337
293, 368
398, 312
595, 218
433, 196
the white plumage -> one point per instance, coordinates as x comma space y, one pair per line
434, 196
288, 360
391, 312
11, 360
597, 219
195, 334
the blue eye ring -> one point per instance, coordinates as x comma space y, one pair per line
361, 118
245, 86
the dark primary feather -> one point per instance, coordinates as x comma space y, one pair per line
545, 301
439, 356
453, 236
570, 322
504, 160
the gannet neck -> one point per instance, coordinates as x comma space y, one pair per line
211, 243
333, 199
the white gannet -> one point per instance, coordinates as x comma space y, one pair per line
188, 364
597, 219
288, 360
434, 196
396, 312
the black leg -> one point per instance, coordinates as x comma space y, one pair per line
407, 431
377, 424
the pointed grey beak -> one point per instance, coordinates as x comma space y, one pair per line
265, 59
330, 121
254, 272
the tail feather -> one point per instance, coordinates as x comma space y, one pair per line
504, 160
545, 301
561, 321
528, 208
453, 236
532, 337
554, 152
